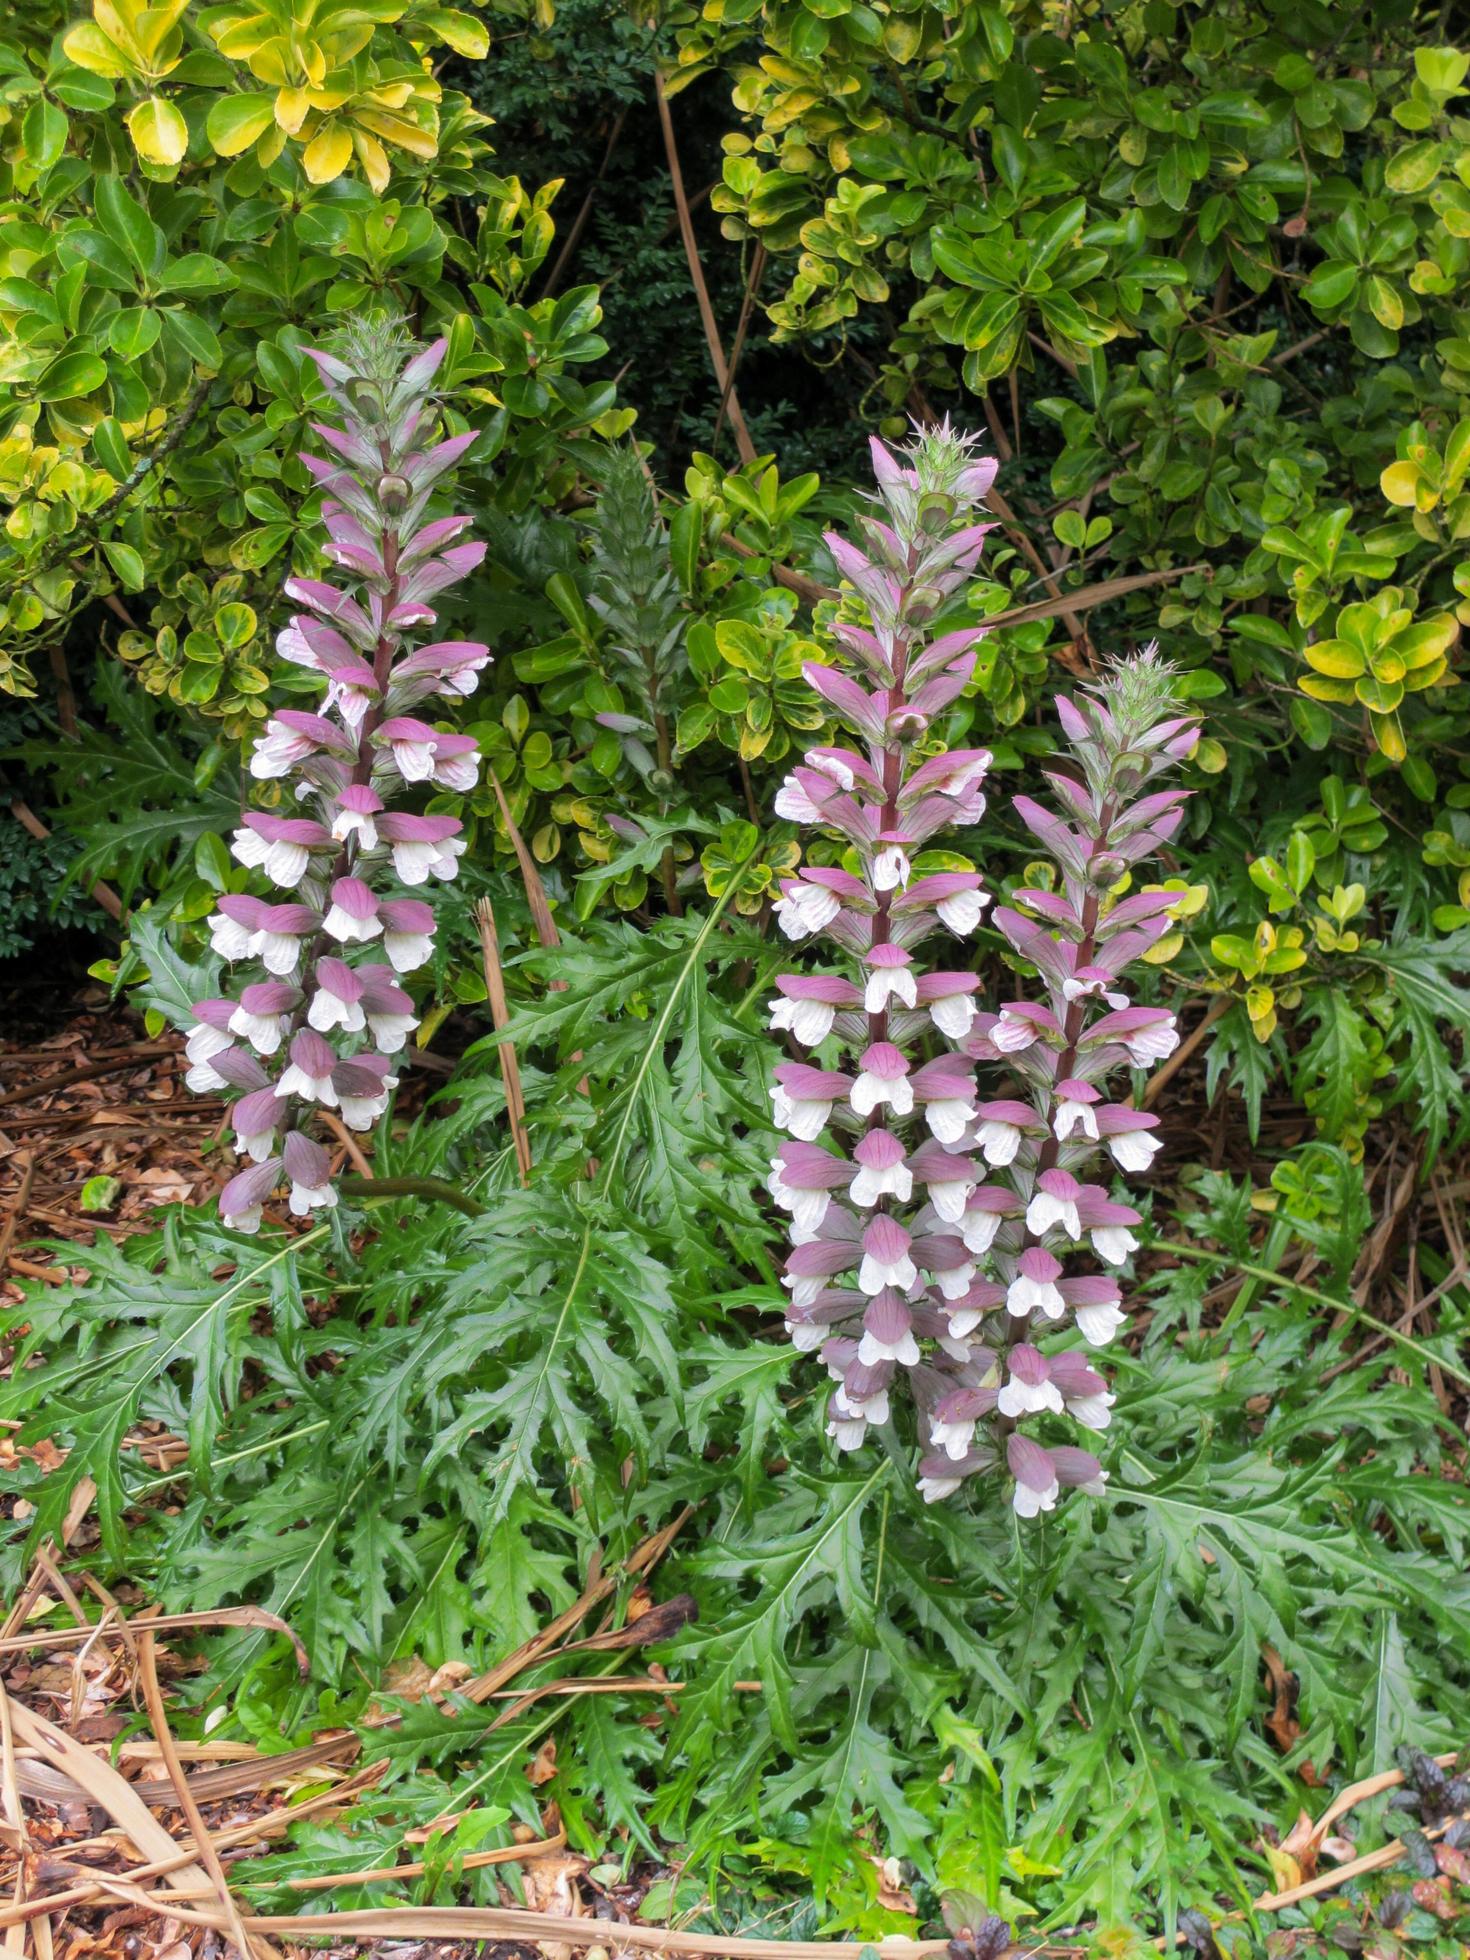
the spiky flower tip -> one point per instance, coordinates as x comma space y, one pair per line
320, 1014
935, 1230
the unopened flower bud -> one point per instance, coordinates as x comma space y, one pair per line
394, 491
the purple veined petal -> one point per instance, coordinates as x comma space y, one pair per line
291, 920
1095, 1301
337, 978
944, 1078
462, 559
1074, 1375
844, 694
1148, 810
868, 647
882, 1170
1069, 849
239, 1068
819, 1259
888, 1330
805, 1084
324, 641
808, 1167
256, 1118
328, 366
1078, 1468
357, 558
312, 728
891, 474
936, 888
420, 371
331, 604
946, 648
403, 827
444, 656
288, 830
353, 914
352, 448
885, 541
975, 479
351, 673
847, 769
309, 1170
940, 689
270, 997
354, 812
1053, 907
851, 562
885, 1061
879, 1150
215, 1013
408, 932
1075, 724
828, 988
962, 549
954, 774
242, 910
1036, 1483
304, 1161
1096, 1208
430, 464
1138, 906
1115, 1119
438, 574
1074, 794
424, 543
241, 1200
380, 991
933, 987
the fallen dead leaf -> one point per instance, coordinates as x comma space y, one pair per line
1281, 1724
543, 1767
1300, 1843
892, 1892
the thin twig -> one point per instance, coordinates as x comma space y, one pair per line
1182, 1053
579, 223
696, 274
210, 1858
510, 1068
17, 1211
173, 435
67, 1078
26, 817
742, 327
348, 1142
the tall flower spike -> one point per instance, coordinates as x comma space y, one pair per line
320, 1012
935, 1230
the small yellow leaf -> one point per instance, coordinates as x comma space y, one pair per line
160, 134
89, 48
374, 160
1389, 734
292, 105
1400, 483
328, 153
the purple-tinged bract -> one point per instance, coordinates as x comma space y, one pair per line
316, 1014
946, 1230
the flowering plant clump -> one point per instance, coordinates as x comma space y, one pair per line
936, 1236
318, 1023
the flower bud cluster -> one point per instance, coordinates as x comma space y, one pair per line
323, 1009
937, 1226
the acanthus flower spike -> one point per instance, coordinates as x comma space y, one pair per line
326, 1014
936, 1258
